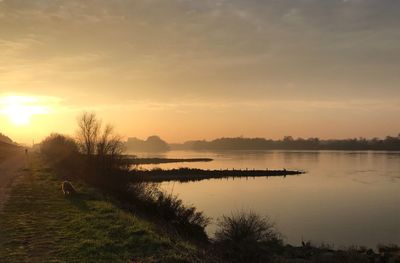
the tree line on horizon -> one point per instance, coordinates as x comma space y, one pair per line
289, 143
155, 143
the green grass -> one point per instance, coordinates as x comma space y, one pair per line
39, 224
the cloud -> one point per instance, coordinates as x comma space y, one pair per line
227, 49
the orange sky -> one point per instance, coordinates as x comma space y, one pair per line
201, 69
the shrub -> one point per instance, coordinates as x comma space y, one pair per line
170, 209
246, 227
247, 237
59, 149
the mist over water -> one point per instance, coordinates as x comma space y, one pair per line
346, 198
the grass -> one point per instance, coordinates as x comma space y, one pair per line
7, 150
39, 224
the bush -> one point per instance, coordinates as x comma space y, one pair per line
246, 227
59, 149
170, 209
247, 237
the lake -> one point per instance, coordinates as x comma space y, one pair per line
346, 198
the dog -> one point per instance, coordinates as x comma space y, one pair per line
68, 188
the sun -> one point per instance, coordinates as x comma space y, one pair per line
20, 109
18, 115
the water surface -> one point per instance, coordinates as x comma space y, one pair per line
346, 198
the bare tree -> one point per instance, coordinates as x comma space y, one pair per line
110, 148
89, 127
103, 144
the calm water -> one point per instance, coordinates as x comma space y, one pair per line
345, 198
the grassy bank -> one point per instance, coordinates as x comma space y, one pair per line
39, 224
7, 150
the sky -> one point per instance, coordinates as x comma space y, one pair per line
201, 69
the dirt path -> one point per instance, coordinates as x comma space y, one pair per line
9, 169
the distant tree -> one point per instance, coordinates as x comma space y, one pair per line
152, 144
155, 143
390, 143
288, 139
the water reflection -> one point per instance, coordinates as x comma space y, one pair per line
345, 198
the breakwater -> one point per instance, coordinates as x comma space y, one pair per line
192, 174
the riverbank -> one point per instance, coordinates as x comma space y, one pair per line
38, 223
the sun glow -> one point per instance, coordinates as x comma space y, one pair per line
20, 109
